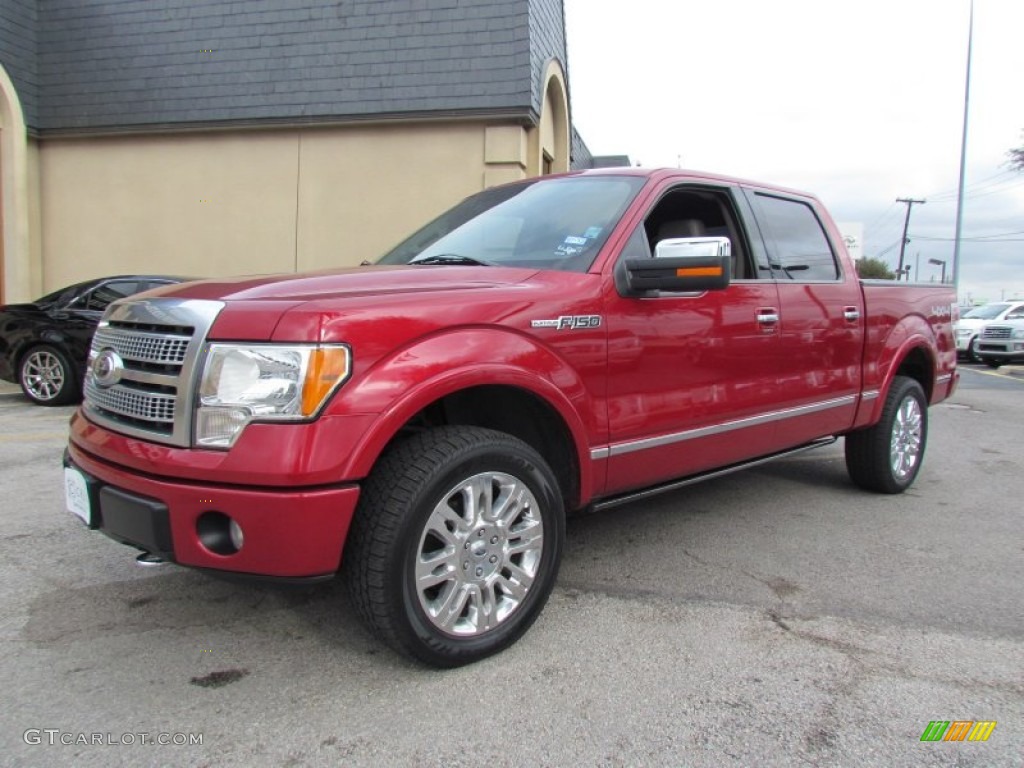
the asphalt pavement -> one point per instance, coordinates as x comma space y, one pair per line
777, 617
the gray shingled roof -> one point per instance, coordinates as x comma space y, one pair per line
116, 64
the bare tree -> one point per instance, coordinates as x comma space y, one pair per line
1017, 158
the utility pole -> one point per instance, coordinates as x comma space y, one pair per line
906, 225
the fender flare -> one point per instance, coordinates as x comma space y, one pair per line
910, 335
403, 383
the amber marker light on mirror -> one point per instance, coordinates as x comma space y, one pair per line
699, 272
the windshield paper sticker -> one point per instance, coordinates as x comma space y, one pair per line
571, 246
569, 322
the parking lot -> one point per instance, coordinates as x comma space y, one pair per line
774, 617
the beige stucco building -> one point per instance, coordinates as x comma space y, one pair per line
207, 140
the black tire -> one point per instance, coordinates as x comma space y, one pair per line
47, 377
993, 362
421, 486
972, 350
886, 457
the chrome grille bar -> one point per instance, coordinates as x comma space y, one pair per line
997, 332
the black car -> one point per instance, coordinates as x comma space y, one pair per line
44, 345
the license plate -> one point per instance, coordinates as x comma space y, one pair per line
76, 494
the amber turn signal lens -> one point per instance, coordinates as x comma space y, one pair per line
699, 272
328, 367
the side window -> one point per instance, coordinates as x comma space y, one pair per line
102, 295
691, 211
798, 246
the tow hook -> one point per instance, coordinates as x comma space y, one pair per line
149, 560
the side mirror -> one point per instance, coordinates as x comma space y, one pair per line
685, 264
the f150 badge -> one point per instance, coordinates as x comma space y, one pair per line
569, 322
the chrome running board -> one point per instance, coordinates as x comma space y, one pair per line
632, 496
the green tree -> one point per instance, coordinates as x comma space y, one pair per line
874, 269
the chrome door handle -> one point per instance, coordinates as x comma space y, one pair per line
852, 314
768, 316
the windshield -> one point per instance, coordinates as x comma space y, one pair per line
985, 313
545, 224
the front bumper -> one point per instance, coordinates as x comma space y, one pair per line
294, 534
1010, 350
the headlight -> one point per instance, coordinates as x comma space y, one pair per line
1018, 333
242, 383
964, 331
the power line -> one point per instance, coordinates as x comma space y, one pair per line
992, 189
1003, 177
987, 240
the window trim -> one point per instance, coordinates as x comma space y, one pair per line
764, 226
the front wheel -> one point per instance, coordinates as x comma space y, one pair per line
46, 376
456, 544
994, 362
886, 457
972, 350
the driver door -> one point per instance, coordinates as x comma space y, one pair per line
692, 378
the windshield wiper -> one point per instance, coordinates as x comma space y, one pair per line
452, 258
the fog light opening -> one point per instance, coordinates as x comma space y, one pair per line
235, 532
219, 533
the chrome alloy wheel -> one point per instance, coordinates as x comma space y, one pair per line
479, 554
42, 374
905, 445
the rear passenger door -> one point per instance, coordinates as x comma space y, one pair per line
821, 318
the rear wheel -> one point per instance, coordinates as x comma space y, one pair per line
456, 544
886, 457
46, 376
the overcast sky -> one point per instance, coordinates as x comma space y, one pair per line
856, 101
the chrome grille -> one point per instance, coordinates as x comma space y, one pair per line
996, 332
143, 347
138, 406
153, 347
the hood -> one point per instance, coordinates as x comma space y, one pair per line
350, 283
255, 307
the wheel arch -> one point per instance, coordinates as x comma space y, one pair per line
482, 377
915, 360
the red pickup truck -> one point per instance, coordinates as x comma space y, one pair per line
425, 423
